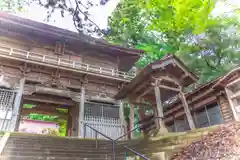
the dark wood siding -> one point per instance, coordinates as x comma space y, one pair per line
225, 107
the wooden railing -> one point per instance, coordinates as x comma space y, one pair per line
54, 60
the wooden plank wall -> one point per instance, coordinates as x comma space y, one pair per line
225, 108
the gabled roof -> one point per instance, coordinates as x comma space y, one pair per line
17, 26
169, 65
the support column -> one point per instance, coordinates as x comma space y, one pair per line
17, 105
69, 123
159, 108
141, 113
122, 118
131, 120
187, 111
81, 113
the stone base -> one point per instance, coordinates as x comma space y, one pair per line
159, 156
159, 131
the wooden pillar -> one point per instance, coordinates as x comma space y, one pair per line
229, 94
74, 125
131, 120
122, 118
187, 111
141, 113
69, 123
159, 111
81, 112
17, 105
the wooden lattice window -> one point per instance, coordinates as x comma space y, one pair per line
59, 48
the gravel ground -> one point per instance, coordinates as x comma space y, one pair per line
222, 144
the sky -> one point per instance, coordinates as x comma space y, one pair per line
98, 14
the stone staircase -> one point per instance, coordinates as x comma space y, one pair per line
38, 147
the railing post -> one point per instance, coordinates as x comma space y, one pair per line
43, 59
11, 50
59, 61
87, 67
84, 132
96, 139
100, 70
112, 72
113, 150
73, 65
27, 54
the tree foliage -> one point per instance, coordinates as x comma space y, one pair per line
77, 9
12, 5
208, 45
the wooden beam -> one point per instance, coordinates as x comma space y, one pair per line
187, 111
139, 87
234, 82
193, 108
170, 88
144, 93
42, 103
28, 111
48, 99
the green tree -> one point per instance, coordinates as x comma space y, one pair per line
12, 5
215, 51
205, 43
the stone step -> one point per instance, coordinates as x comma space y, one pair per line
56, 158
50, 153
16, 143
42, 149
58, 140
62, 146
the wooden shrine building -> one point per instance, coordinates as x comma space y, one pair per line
160, 86
53, 69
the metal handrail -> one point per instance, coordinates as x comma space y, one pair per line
86, 125
114, 141
98, 132
136, 153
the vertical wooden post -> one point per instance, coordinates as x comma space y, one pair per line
122, 118
141, 113
187, 111
159, 109
81, 112
131, 120
69, 123
229, 94
17, 105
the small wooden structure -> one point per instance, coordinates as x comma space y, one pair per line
158, 83
159, 86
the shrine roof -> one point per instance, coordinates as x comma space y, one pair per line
167, 66
18, 26
216, 85
229, 77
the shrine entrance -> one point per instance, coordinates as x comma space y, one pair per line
6, 108
103, 117
43, 119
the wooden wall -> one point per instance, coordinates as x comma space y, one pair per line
99, 59
225, 107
